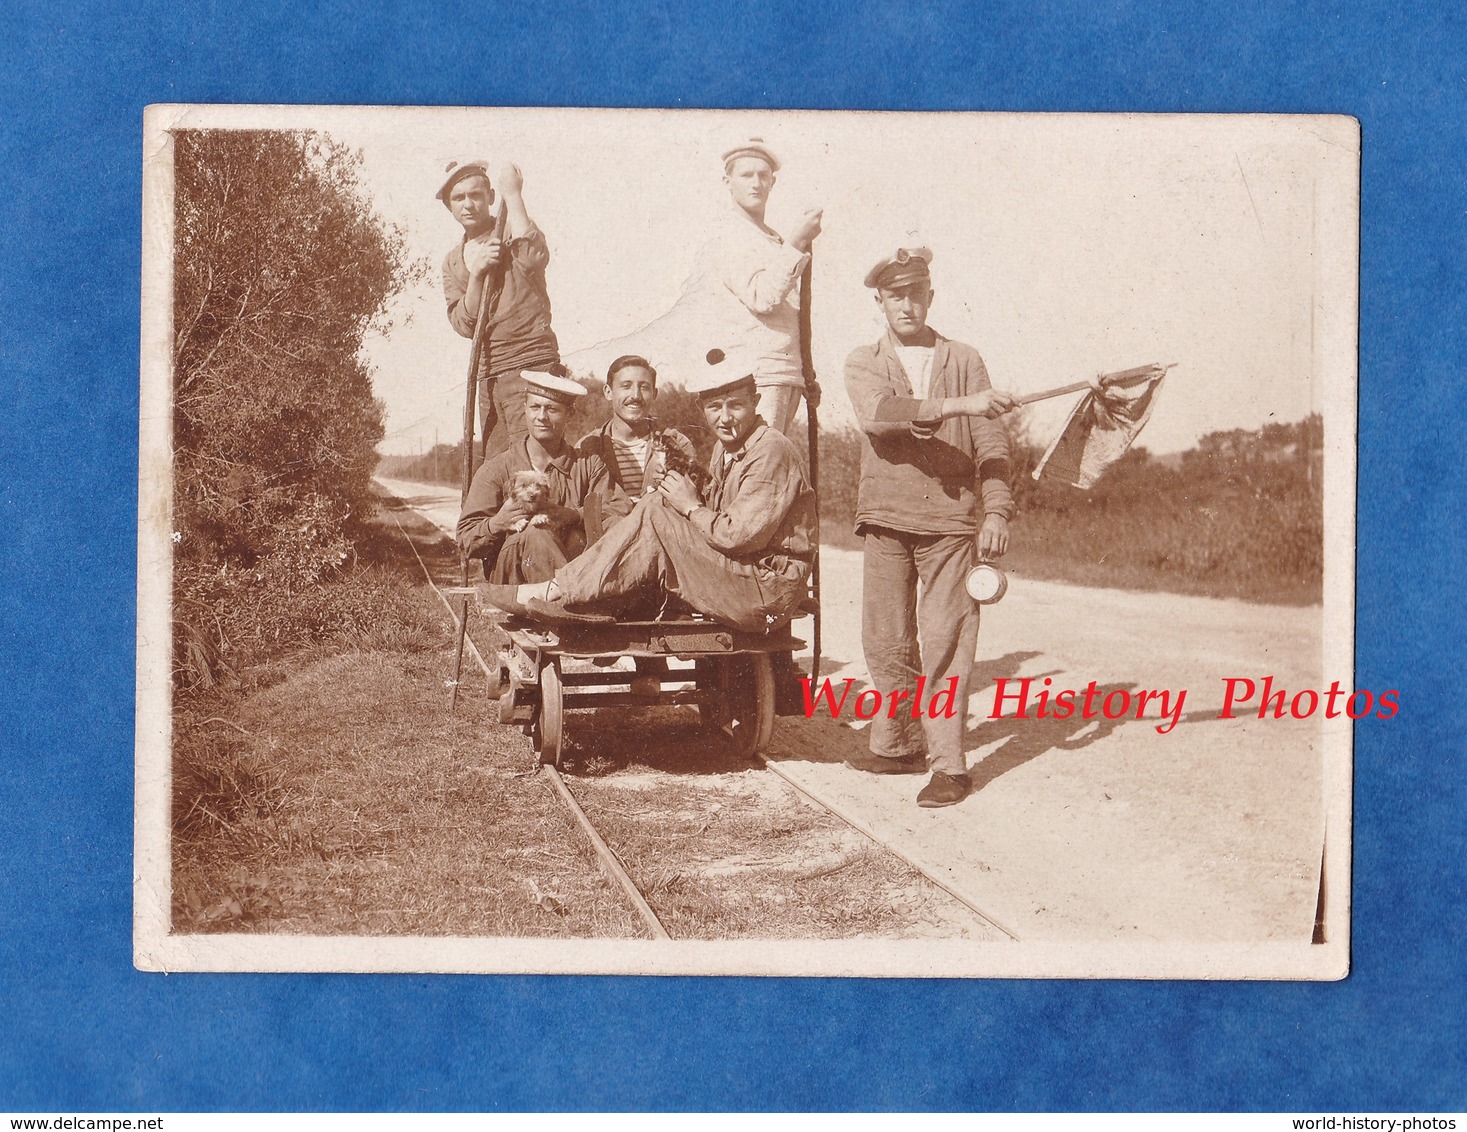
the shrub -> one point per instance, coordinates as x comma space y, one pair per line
280, 268
1240, 515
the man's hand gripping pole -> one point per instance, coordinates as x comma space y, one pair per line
478, 359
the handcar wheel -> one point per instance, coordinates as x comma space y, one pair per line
752, 694
711, 677
499, 679
552, 714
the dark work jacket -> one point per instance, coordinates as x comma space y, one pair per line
920, 474
517, 335
577, 481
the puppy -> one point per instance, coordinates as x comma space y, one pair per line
531, 490
673, 459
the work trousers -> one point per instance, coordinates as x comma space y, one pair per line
906, 636
655, 547
501, 412
777, 405
534, 555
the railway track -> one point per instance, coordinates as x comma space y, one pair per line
612, 866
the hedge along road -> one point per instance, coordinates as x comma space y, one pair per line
1109, 829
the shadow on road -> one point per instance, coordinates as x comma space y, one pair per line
1023, 739
821, 739
815, 740
1026, 739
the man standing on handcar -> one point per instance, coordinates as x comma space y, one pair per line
752, 276
517, 334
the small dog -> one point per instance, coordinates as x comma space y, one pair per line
531, 490
675, 460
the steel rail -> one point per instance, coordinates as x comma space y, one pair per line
611, 864
609, 860
862, 828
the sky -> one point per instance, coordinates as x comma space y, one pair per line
1065, 245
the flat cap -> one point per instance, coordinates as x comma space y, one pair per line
751, 147
551, 385
459, 168
723, 369
905, 265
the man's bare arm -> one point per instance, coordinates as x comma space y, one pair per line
990, 403
510, 182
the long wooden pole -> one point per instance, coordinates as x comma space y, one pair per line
479, 362
1123, 378
478, 359
812, 438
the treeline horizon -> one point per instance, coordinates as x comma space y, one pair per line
1238, 515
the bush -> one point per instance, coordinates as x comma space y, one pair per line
280, 269
1240, 515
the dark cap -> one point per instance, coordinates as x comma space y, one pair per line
905, 265
456, 170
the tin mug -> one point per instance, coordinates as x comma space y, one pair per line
986, 583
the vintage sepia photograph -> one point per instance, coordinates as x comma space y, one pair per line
747, 543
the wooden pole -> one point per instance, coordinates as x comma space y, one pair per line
812, 439
478, 359
1121, 379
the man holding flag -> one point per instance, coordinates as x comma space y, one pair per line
934, 497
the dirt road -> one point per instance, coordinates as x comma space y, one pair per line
1107, 829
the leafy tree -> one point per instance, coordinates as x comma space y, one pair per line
280, 269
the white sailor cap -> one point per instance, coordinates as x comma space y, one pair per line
552, 385
751, 147
723, 369
459, 168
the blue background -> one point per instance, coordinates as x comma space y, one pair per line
80, 1029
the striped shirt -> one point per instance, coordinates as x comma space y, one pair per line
631, 462
631, 458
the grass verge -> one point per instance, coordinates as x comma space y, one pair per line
330, 791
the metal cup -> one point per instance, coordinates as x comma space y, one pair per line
986, 583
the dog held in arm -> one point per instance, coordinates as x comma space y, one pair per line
531, 490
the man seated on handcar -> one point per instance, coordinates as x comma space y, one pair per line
739, 553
